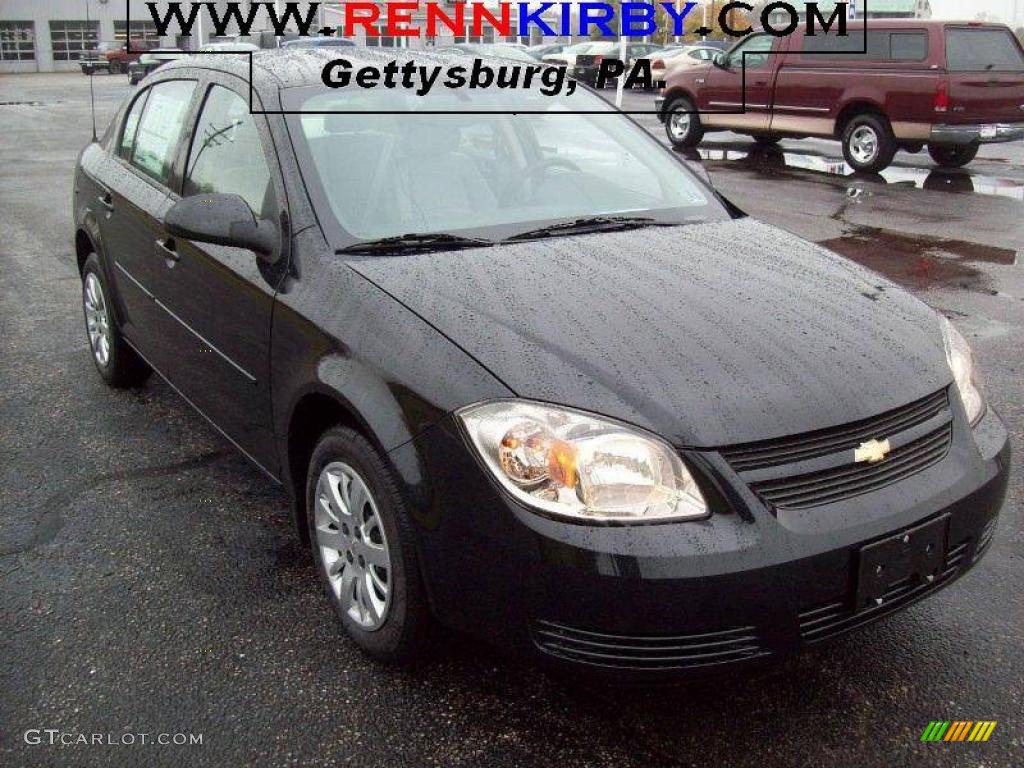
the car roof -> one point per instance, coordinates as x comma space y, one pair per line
294, 66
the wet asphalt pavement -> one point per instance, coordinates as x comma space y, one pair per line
150, 580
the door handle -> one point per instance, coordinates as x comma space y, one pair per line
106, 201
166, 249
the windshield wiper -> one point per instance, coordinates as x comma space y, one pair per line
591, 224
416, 241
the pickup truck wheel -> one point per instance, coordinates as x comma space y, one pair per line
682, 123
868, 143
952, 155
115, 360
364, 547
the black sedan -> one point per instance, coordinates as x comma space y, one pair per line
523, 373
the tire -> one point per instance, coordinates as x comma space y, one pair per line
868, 143
395, 633
682, 123
117, 363
114, 68
952, 155
767, 141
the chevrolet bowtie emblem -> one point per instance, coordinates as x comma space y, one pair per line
872, 452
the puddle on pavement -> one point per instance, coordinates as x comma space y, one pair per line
921, 262
776, 160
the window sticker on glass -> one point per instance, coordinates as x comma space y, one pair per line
158, 133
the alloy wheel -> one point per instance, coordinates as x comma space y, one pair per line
353, 546
97, 319
679, 125
864, 144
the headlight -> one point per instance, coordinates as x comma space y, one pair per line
581, 466
961, 363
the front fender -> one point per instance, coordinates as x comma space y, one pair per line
336, 335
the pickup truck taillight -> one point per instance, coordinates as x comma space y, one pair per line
941, 102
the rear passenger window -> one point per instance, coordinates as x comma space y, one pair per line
160, 128
227, 154
131, 125
909, 46
982, 50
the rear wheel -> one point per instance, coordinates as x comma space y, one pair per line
953, 155
116, 362
868, 143
682, 123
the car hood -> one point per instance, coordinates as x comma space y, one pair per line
710, 335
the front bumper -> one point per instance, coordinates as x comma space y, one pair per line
656, 603
990, 133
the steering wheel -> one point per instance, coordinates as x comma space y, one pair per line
515, 187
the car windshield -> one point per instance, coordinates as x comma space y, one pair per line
488, 175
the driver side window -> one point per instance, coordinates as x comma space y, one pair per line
227, 154
755, 50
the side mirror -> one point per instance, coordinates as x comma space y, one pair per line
720, 60
223, 220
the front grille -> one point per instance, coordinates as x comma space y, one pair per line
788, 450
839, 617
648, 652
849, 480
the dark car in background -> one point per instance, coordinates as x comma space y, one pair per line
588, 63
152, 61
895, 84
319, 42
522, 372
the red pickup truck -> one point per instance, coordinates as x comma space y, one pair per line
946, 85
113, 57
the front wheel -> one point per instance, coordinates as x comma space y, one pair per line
952, 155
364, 547
115, 360
682, 123
868, 143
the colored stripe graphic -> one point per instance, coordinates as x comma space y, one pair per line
935, 730
959, 730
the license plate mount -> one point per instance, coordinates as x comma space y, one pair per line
989, 131
911, 556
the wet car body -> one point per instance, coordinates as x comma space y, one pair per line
763, 360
